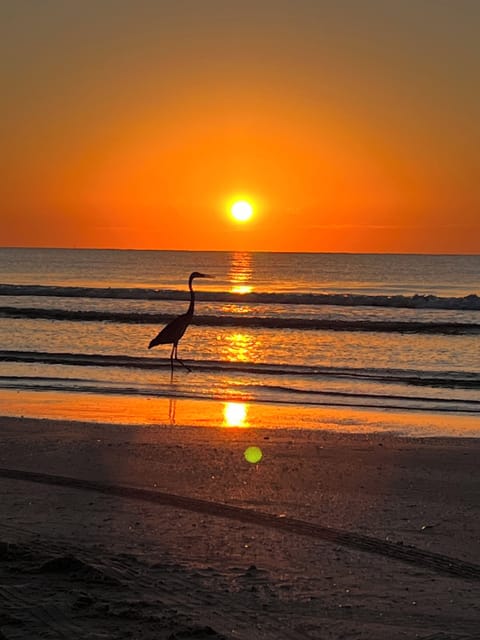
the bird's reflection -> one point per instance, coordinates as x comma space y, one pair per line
240, 274
172, 409
235, 414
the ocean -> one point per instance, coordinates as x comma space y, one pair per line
338, 341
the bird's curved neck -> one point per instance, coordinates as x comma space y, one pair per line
192, 299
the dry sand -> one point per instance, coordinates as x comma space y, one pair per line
330, 536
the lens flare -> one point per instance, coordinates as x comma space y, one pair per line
253, 454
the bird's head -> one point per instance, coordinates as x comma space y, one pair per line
197, 274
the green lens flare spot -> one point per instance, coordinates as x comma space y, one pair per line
253, 454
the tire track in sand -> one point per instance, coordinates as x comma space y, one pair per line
405, 553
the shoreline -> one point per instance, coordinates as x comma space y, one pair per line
234, 412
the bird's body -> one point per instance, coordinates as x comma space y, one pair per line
174, 330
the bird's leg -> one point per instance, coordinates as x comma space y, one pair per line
171, 360
180, 361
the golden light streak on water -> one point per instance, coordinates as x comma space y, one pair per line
240, 347
240, 273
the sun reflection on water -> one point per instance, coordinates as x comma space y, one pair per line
240, 273
235, 414
240, 347
242, 289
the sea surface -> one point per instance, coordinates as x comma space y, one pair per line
334, 340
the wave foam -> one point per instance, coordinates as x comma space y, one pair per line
470, 302
383, 326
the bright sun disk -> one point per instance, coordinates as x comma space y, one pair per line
242, 211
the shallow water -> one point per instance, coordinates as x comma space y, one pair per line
299, 331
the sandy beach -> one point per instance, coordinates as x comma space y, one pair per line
110, 531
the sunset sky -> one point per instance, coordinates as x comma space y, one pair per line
349, 125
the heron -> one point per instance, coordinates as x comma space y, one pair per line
174, 330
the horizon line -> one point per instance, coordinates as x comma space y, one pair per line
370, 253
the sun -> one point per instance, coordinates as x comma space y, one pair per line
241, 211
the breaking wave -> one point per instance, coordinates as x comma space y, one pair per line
470, 302
247, 321
440, 379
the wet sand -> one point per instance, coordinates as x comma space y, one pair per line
329, 536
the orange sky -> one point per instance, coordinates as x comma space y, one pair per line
351, 126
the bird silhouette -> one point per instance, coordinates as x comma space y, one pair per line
174, 330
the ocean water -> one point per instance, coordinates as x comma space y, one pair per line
327, 336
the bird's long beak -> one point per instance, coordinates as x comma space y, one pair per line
206, 275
